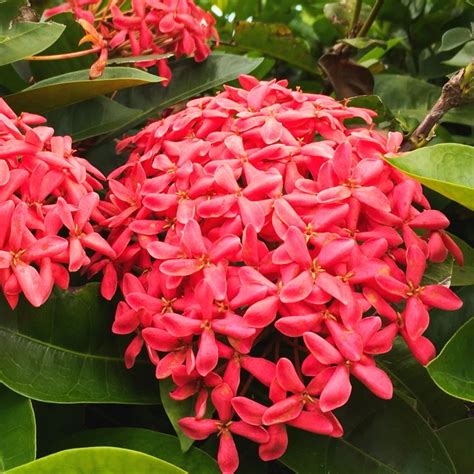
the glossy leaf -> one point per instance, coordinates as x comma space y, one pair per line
136, 59
374, 102
17, 430
453, 370
378, 52
458, 438
75, 120
381, 437
439, 273
68, 42
104, 460
412, 379
156, 444
277, 41
24, 39
216, 70
412, 98
463, 57
443, 324
448, 168
64, 352
10, 80
75, 87
464, 275
454, 38
176, 410
361, 43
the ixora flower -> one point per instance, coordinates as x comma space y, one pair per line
261, 242
144, 28
48, 206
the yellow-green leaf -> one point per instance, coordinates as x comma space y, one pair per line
448, 168
103, 460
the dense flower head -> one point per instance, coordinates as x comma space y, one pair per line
48, 207
148, 27
262, 240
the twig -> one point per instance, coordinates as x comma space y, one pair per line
453, 94
355, 18
370, 19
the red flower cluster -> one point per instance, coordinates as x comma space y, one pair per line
260, 240
177, 27
47, 203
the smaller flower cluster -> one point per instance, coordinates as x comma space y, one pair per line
149, 27
48, 205
264, 244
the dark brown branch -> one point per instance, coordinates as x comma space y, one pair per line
453, 94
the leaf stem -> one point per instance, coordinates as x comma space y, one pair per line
453, 94
370, 19
75, 54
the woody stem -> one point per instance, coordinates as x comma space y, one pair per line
453, 94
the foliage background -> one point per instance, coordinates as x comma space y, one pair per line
63, 383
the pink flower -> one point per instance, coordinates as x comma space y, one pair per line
47, 184
166, 28
224, 427
265, 247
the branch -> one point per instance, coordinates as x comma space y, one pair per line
371, 18
355, 18
453, 94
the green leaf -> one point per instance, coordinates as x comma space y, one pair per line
463, 275
378, 52
275, 40
439, 273
68, 42
455, 37
64, 352
75, 120
97, 460
26, 39
458, 437
75, 87
136, 59
176, 410
453, 370
413, 98
376, 104
156, 444
17, 430
313, 454
443, 324
361, 43
189, 79
462, 58
448, 168
413, 380
381, 437
10, 80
